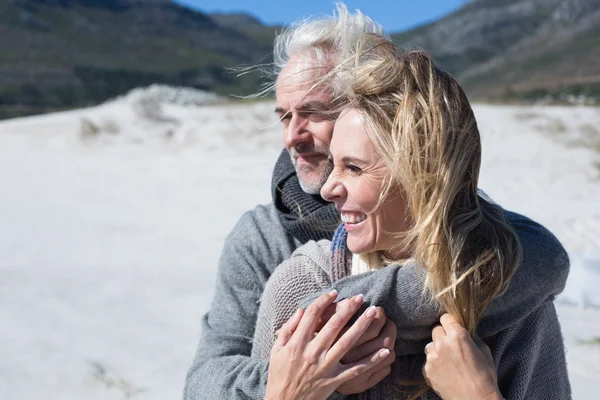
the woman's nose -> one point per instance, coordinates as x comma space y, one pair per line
333, 189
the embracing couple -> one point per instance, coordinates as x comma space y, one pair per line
379, 270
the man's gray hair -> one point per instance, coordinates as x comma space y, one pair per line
324, 39
322, 36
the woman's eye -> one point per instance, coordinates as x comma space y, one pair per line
353, 168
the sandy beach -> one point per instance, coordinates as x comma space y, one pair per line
112, 223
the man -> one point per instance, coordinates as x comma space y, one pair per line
267, 235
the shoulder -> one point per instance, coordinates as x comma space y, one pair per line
534, 233
312, 252
259, 239
538, 340
308, 266
261, 219
540, 247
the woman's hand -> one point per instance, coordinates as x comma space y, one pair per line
458, 367
305, 366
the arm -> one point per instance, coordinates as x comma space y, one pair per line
290, 282
306, 272
530, 358
222, 367
541, 276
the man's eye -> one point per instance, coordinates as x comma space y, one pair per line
285, 118
314, 115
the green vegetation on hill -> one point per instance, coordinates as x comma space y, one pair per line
58, 54
71, 53
518, 49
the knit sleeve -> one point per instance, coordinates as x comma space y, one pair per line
304, 273
530, 358
222, 367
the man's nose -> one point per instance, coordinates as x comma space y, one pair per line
296, 132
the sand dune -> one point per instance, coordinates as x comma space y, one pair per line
112, 224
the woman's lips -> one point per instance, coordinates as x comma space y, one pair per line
353, 221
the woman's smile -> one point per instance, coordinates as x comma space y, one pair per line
356, 185
352, 220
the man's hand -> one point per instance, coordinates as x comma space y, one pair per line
380, 334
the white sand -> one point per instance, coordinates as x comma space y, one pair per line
109, 244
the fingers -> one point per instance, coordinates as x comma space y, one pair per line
451, 325
285, 333
379, 375
429, 347
330, 332
385, 340
348, 339
374, 330
370, 378
330, 312
425, 372
360, 367
308, 325
438, 333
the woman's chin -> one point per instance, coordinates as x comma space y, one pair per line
358, 248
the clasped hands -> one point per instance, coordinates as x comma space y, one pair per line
315, 353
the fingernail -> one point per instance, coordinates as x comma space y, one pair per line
371, 311
384, 353
333, 293
358, 299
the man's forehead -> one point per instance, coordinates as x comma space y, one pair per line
302, 68
303, 97
300, 82
300, 73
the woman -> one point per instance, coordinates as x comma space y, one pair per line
406, 153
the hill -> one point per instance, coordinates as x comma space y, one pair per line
507, 49
57, 54
64, 53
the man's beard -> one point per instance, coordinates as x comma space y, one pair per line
319, 173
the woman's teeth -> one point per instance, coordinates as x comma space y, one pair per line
353, 219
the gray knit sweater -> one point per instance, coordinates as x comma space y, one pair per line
529, 355
223, 368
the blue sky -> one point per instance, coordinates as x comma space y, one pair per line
394, 15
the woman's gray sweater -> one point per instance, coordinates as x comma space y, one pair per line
529, 355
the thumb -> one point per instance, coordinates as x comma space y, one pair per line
482, 346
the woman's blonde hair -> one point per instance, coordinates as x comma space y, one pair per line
420, 122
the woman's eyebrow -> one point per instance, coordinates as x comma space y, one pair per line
353, 160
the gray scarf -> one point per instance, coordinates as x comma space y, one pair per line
406, 368
305, 216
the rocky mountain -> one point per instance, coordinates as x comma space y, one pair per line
57, 54
517, 49
63, 53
